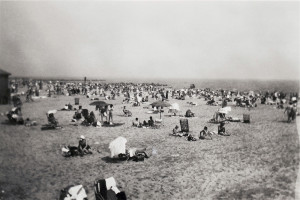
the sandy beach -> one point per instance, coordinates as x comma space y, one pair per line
258, 161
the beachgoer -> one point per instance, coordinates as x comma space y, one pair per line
176, 131
83, 147
103, 113
151, 121
190, 137
221, 129
189, 113
205, 134
136, 122
51, 120
110, 114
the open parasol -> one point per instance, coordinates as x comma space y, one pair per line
160, 104
98, 103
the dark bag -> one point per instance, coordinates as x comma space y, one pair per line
123, 156
138, 157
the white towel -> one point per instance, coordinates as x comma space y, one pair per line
110, 182
77, 193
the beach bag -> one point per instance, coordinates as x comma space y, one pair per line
123, 156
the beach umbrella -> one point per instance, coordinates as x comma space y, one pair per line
117, 146
160, 104
98, 103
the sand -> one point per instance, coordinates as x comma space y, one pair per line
259, 160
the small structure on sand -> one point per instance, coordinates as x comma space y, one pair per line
4, 87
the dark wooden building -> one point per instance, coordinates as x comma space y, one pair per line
4, 87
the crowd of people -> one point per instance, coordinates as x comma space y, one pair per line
136, 94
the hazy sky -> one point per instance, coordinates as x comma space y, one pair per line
151, 39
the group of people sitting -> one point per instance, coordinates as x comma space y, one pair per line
139, 124
188, 135
204, 133
126, 112
82, 149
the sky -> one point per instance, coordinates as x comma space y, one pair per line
151, 39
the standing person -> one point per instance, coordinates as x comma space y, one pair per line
103, 113
110, 114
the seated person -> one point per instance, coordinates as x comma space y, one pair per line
83, 147
136, 122
51, 120
70, 107
77, 114
176, 131
189, 113
221, 129
211, 101
145, 123
150, 121
66, 107
205, 134
126, 112
91, 119
136, 103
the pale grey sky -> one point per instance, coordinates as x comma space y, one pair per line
151, 39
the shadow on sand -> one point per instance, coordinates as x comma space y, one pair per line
108, 159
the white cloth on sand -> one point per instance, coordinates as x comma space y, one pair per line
117, 146
76, 193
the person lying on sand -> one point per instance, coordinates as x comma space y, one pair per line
221, 129
190, 137
205, 134
83, 147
